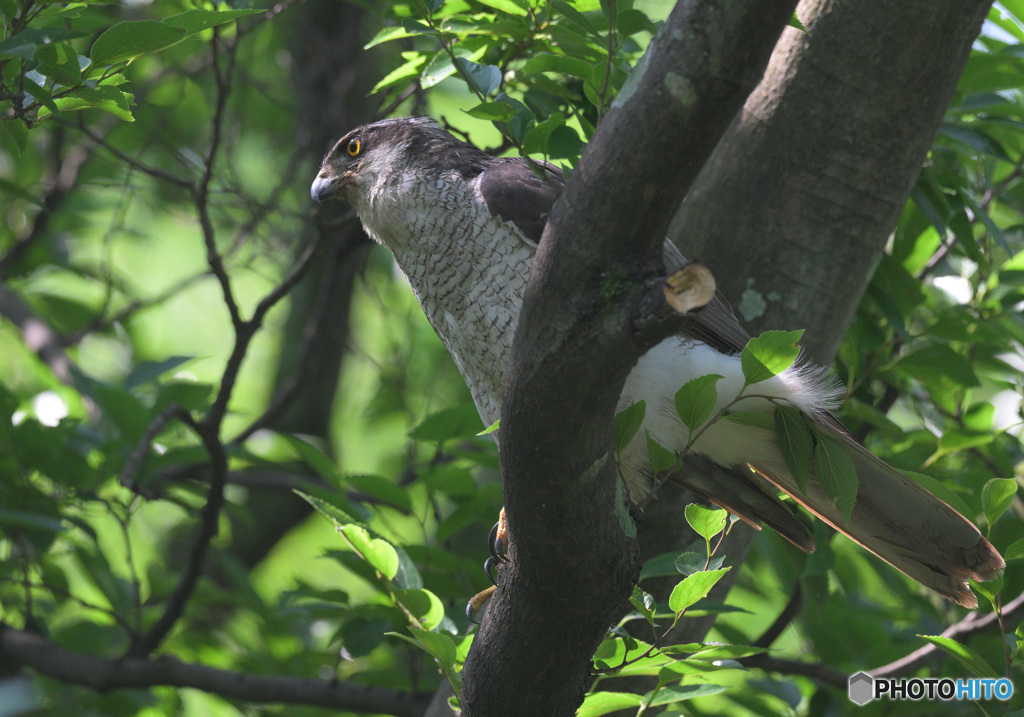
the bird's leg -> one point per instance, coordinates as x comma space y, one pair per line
497, 543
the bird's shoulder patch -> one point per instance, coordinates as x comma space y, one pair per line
514, 191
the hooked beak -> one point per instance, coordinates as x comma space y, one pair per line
325, 186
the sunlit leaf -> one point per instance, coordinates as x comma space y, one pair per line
695, 401
967, 657
769, 354
706, 522
127, 40
693, 588
377, 552
996, 497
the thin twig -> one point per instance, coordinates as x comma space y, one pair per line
129, 477
970, 625
208, 520
792, 609
135, 164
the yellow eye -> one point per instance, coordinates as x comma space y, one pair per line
355, 146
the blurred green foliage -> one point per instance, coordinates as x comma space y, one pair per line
135, 138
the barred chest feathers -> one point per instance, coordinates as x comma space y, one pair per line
467, 267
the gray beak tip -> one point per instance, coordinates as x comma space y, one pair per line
323, 188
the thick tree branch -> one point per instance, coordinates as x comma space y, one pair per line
101, 673
573, 546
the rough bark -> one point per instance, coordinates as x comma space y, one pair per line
574, 551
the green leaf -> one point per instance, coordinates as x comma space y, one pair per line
662, 458
976, 140
694, 587
676, 693
796, 443
936, 362
706, 522
424, 605
382, 490
1015, 550
536, 141
440, 646
461, 421
769, 354
967, 657
564, 143
644, 603
407, 577
34, 521
752, 418
627, 423
602, 703
190, 395
59, 63
484, 79
332, 505
147, 371
696, 400
410, 68
193, 21
491, 428
387, 34
689, 563
127, 40
25, 43
953, 441
713, 651
629, 22
509, 6
492, 111
108, 99
377, 552
39, 92
561, 64
836, 473
315, 458
662, 566
940, 491
996, 497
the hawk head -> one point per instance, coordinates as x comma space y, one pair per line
374, 155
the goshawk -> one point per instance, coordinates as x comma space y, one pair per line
464, 226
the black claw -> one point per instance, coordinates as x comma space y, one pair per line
469, 613
490, 564
495, 545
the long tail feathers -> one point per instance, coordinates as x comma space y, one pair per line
902, 523
744, 494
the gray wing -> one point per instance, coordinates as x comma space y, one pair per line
517, 193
